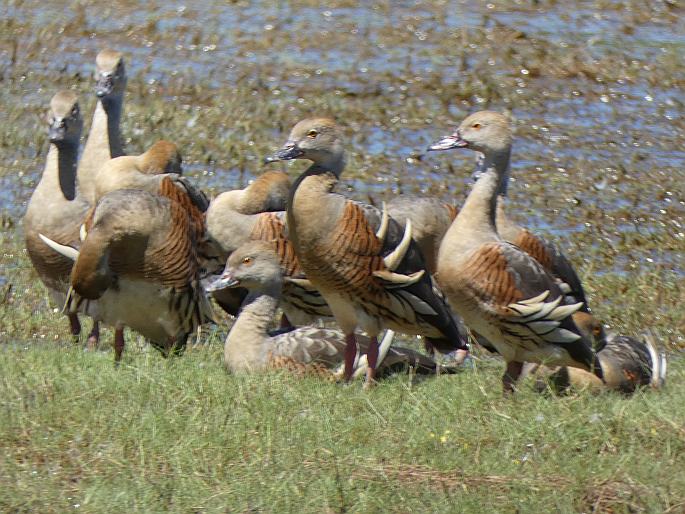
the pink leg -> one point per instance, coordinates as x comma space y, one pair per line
118, 344
75, 324
511, 375
372, 359
94, 336
350, 355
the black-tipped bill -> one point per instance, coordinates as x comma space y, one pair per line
225, 281
288, 152
447, 143
104, 85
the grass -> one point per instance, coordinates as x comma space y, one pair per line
183, 436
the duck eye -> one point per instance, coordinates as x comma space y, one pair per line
312, 134
476, 126
247, 260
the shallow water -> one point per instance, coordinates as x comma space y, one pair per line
595, 88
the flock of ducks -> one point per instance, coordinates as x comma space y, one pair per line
130, 242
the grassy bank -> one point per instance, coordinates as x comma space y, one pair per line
183, 436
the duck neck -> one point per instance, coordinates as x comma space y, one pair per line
103, 144
60, 169
112, 107
482, 165
480, 209
67, 159
305, 194
246, 342
506, 228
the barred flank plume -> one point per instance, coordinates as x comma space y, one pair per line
532, 245
489, 273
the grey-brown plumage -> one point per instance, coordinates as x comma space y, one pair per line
304, 350
430, 219
104, 137
627, 363
145, 171
501, 292
369, 272
55, 208
236, 217
543, 251
139, 260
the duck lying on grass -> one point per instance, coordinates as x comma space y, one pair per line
627, 363
250, 348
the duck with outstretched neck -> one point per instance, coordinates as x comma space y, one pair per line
104, 138
500, 291
56, 208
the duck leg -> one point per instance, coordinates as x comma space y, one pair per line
75, 325
511, 375
372, 359
350, 355
94, 336
118, 343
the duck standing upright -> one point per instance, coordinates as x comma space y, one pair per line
500, 291
104, 137
366, 267
542, 250
55, 208
139, 260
